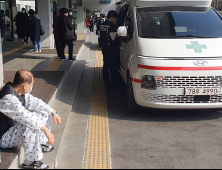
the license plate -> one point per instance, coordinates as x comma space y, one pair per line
202, 91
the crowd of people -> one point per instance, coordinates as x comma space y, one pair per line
93, 21
29, 26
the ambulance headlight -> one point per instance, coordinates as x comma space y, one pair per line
149, 82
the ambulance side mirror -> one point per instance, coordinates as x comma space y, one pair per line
122, 31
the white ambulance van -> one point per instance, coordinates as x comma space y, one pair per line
171, 53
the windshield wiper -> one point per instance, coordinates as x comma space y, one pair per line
195, 36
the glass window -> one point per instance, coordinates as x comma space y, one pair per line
122, 16
129, 24
27, 8
175, 23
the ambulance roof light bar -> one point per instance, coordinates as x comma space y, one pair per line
162, 3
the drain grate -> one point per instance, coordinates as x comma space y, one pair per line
97, 154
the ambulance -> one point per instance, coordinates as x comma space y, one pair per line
171, 53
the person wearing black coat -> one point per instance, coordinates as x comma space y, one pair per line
92, 22
35, 24
65, 27
23, 22
2, 24
73, 21
17, 24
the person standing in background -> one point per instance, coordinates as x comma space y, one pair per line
23, 21
7, 19
16, 20
56, 34
2, 24
87, 22
91, 22
35, 24
100, 22
72, 19
65, 27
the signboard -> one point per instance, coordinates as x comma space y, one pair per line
104, 2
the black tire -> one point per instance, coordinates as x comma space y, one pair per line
132, 105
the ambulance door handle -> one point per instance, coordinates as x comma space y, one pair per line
121, 48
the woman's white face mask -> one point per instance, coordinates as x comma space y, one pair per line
70, 13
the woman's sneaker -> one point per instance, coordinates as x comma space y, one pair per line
40, 50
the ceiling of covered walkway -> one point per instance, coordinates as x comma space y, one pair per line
94, 5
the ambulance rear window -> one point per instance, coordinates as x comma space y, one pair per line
179, 23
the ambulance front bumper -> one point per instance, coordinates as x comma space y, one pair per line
163, 98
172, 84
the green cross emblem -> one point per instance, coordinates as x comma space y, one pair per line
196, 46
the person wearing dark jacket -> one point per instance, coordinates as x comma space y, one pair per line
56, 34
73, 21
91, 22
65, 27
17, 24
2, 24
101, 20
35, 24
110, 49
23, 21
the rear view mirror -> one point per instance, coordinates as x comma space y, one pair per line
122, 31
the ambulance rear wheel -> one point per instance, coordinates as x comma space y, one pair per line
132, 105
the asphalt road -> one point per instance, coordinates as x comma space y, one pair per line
163, 138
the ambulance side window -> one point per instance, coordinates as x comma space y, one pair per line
129, 24
122, 16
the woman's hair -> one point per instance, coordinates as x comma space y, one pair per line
31, 12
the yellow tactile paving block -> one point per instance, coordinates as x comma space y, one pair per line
54, 65
97, 154
80, 37
15, 50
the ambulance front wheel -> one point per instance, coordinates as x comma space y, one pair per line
132, 105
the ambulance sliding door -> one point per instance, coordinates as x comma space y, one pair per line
128, 43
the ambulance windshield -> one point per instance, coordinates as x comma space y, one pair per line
178, 23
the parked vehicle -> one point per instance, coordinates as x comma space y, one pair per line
171, 53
